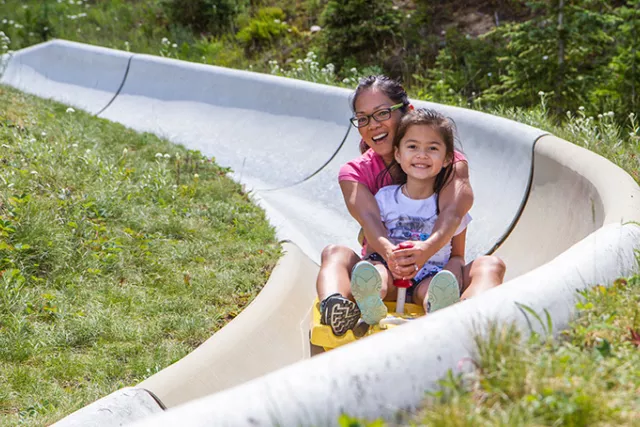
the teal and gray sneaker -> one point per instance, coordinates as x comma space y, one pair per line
366, 284
443, 291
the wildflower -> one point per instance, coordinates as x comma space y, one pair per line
277, 21
33, 173
345, 80
43, 134
541, 93
88, 150
196, 176
158, 155
70, 110
581, 108
599, 116
74, 145
125, 151
395, 8
354, 70
315, 28
165, 40
174, 45
408, 16
544, 58
610, 114
167, 156
489, 74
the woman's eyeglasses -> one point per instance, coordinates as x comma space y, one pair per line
378, 116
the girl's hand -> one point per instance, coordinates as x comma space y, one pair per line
402, 261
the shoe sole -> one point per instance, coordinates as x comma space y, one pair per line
341, 315
366, 285
443, 291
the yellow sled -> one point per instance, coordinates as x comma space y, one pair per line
322, 335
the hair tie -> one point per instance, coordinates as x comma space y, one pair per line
411, 107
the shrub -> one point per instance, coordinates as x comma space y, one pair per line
361, 32
210, 16
264, 30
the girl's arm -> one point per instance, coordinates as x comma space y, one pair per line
456, 198
363, 208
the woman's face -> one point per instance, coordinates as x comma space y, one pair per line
378, 135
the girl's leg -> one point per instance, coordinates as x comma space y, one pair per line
335, 271
482, 274
388, 291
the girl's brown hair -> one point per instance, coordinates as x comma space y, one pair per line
441, 124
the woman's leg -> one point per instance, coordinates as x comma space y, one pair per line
335, 271
482, 274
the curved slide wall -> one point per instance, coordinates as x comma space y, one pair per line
569, 234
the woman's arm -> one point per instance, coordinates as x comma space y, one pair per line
456, 198
363, 208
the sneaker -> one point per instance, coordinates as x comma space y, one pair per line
340, 313
443, 291
366, 284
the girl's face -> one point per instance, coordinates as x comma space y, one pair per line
422, 153
378, 135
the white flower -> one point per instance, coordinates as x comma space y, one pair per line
315, 28
354, 70
408, 16
125, 151
195, 175
167, 156
581, 108
541, 93
165, 40
88, 150
158, 155
599, 116
277, 21
345, 80
610, 114
174, 45
43, 134
70, 110
395, 8
74, 145
489, 74
544, 58
33, 173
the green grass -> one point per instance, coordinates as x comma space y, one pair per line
119, 254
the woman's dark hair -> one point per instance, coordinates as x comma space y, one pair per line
441, 124
392, 90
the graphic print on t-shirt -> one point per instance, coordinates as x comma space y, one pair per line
408, 227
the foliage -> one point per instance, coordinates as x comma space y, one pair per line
359, 32
204, 16
264, 30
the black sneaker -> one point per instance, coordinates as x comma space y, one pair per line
340, 313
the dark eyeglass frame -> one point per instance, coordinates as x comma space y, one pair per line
375, 116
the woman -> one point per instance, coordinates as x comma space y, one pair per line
378, 104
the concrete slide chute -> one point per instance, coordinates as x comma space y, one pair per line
560, 216
84, 76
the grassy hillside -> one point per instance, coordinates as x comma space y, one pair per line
119, 254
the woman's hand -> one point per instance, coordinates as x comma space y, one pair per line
403, 261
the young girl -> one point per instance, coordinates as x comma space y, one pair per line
423, 156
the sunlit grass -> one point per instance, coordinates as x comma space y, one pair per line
119, 254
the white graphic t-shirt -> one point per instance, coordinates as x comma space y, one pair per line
409, 219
